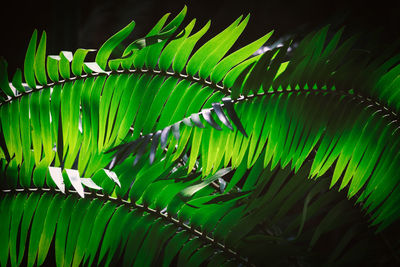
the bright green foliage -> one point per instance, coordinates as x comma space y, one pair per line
176, 153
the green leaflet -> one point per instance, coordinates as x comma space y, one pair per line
64, 64
113, 232
39, 173
215, 142
18, 208
105, 101
182, 54
17, 81
40, 59
174, 246
114, 107
145, 44
221, 49
52, 67
78, 60
236, 71
144, 178
236, 57
57, 120
171, 106
98, 226
200, 256
145, 104
188, 192
123, 106
84, 233
4, 84
153, 244
5, 208
188, 250
154, 51
35, 123
133, 106
206, 195
158, 104
200, 57
169, 52
5, 126
94, 107
14, 123
49, 228
194, 148
240, 170
29, 71
180, 107
29, 208
61, 231
45, 123
37, 228
106, 49
86, 123
253, 81
136, 237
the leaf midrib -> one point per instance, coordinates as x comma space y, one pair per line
168, 74
365, 101
386, 110
132, 206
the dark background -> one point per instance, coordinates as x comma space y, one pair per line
87, 24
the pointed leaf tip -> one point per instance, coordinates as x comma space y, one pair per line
40, 59
113, 176
56, 175
187, 122
4, 83
107, 48
221, 115
208, 118
17, 81
29, 72
195, 118
164, 136
89, 183
233, 116
75, 179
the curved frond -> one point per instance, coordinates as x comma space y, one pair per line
178, 153
339, 132
189, 224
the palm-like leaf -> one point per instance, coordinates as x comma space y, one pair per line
201, 158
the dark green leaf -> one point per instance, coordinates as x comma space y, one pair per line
4, 83
17, 81
233, 116
29, 72
40, 60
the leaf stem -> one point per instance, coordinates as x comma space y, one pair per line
165, 216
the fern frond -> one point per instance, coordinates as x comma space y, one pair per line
192, 224
183, 154
340, 132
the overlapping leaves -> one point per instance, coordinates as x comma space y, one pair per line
171, 121
277, 220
